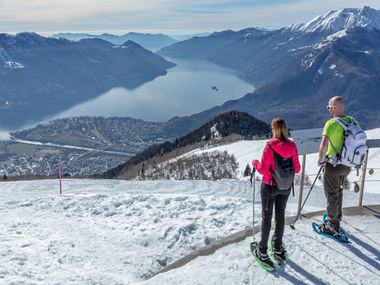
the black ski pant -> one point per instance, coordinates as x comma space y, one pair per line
271, 195
333, 181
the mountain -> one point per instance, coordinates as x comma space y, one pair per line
220, 127
335, 21
298, 68
42, 76
188, 36
263, 55
202, 46
81, 145
152, 42
88, 145
119, 134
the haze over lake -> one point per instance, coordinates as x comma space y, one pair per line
190, 87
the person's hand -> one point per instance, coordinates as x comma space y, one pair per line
255, 162
321, 163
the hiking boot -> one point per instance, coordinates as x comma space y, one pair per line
329, 229
336, 228
279, 253
263, 257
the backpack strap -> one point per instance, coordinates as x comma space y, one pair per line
274, 152
341, 122
270, 167
345, 126
270, 146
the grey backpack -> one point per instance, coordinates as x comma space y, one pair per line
283, 172
354, 147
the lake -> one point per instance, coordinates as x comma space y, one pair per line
190, 87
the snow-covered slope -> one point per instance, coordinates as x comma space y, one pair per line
313, 259
245, 151
120, 232
110, 232
339, 20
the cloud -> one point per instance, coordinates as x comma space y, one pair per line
173, 16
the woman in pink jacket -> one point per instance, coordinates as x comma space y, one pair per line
271, 194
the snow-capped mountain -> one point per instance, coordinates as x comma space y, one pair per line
297, 69
339, 20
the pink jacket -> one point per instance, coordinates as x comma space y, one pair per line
284, 148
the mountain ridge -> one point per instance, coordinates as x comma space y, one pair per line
147, 40
221, 126
57, 73
282, 65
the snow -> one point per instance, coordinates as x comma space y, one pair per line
313, 259
332, 66
119, 232
214, 132
299, 48
339, 34
110, 231
13, 65
335, 21
122, 232
246, 151
4, 136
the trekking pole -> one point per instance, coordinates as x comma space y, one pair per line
253, 186
304, 202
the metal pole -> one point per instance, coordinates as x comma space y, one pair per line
307, 196
302, 183
253, 184
364, 171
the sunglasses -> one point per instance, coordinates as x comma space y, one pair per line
330, 107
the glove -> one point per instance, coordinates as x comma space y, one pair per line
255, 162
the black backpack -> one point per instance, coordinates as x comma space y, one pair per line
283, 172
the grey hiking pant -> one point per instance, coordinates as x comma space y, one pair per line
333, 182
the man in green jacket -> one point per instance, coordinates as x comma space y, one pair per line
334, 174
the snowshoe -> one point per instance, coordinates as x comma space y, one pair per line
262, 259
278, 254
325, 220
326, 231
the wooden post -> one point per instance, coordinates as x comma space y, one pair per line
364, 171
302, 181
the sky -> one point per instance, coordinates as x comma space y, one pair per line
173, 17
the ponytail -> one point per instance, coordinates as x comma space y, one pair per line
280, 129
